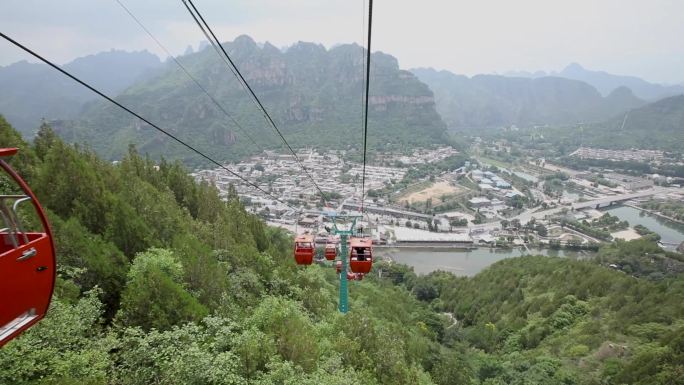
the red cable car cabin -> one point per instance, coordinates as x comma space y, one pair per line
304, 249
330, 251
361, 255
27, 257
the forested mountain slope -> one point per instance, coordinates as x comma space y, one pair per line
313, 94
658, 125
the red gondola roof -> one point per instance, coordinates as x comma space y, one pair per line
304, 238
5, 152
361, 242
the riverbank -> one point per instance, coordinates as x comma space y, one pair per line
671, 233
655, 213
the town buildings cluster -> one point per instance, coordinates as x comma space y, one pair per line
489, 196
281, 176
634, 155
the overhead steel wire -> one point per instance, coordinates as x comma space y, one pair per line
216, 43
365, 116
187, 73
163, 131
363, 77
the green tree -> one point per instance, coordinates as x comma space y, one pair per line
541, 230
102, 264
155, 296
69, 345
452, 368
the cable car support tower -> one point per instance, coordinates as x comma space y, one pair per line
344, 233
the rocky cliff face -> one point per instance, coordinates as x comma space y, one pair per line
314, 94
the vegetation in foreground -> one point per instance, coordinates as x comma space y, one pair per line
161, 282
558, 321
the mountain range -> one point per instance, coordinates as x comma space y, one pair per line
313, 94
658, 125
33, 91
605, 82
494, 101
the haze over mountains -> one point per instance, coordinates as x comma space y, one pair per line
313, 93
33, 91
496, 101
605, 82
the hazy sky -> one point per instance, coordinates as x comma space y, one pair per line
631, 37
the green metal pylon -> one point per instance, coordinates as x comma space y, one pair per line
344, 291
344, 255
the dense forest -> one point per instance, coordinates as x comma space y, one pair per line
162, 282
541, 320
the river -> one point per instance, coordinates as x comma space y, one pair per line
462, 262
670, 232
471, 262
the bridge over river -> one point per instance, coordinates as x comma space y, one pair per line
609, 200
606, 201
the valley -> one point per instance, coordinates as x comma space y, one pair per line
317, 213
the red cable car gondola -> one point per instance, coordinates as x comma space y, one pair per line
27, 260
330, 251
304, 249
361, 255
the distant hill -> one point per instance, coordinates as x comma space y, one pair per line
656, 125
606, 83
33, 91
313, 94
495, 101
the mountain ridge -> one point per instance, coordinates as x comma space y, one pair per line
484, 101
656, 125
32, 91
313, 93
606, 82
